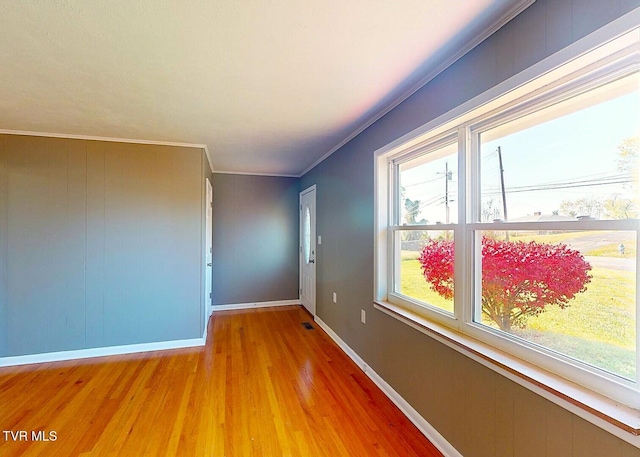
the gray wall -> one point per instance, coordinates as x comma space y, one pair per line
102, 243
3, 251
478, 411
255, 238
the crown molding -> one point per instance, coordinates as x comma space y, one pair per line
109, 139
517, 8
248, 173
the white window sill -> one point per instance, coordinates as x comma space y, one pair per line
618, 419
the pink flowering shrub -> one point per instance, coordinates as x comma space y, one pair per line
518, 279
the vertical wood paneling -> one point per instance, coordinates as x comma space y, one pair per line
529, 40
75, 242
55, 258
458, 372
186, 257
590, 440
529, 423
628, 450
95, 266
103, 244
627, 5
505, 52
504, 426
439, 409
255, 241
3, 246
30, 282
116, 266
480, 398
588, 15
149, 247
558, 32
559, 427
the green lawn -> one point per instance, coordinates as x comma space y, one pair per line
612, 250
606, 250
553, 238
415, 286
598, 327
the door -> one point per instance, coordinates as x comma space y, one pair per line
308, 249
208, 230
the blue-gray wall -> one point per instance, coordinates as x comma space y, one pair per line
255, 238
480, 412
101, 244
3, 249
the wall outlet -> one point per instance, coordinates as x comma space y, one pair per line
335, 297
363, 316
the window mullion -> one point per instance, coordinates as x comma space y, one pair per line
460, 302
472, 215
637, 311
394, 196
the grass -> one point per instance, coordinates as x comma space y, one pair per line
552, 238
610, 357
414, 285
608, 250
613, 250
605, 312
598, 327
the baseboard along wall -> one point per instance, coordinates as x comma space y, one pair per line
420, 422
99, 352
264, 304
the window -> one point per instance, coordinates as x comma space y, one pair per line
306, 235
516, 222
567, 175
426, 209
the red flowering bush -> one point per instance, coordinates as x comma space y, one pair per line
518, 279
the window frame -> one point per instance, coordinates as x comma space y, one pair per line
597, 61
395, 227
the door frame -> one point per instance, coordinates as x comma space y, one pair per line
208, 256
313, 243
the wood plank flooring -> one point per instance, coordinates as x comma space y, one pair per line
262, 386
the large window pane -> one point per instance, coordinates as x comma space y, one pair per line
574, 160
426, 267
573, 292
429, 188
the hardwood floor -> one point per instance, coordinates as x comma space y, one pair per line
262, 386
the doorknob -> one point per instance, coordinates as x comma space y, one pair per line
209, 264
312, 261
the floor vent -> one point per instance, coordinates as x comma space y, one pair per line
307, 325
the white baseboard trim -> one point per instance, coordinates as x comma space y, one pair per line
420, 422
263, 304
99, 352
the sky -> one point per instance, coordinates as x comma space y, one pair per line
581, 146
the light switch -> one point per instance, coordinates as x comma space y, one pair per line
319, 239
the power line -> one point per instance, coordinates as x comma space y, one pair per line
565, 185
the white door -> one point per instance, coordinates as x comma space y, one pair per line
308, 249
208, 227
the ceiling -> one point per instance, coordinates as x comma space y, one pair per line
270, 87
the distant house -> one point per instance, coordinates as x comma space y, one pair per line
539, 217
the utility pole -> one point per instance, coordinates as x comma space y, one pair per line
504, 196
446, 191
447, 177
